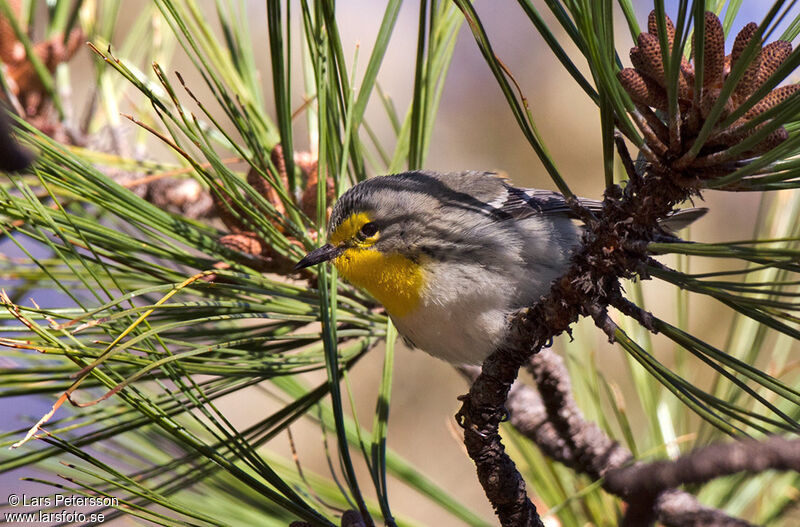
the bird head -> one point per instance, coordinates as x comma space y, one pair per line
374, 239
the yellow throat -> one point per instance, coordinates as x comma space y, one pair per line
394, 280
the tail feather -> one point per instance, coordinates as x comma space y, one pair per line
683, 218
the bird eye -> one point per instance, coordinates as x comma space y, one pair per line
368, 230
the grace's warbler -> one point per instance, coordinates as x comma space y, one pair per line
451, 256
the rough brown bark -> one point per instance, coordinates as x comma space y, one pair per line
551, 419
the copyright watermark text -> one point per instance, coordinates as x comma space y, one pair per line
55, 508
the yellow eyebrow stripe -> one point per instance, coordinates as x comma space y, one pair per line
349, 227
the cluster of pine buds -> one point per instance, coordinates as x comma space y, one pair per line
23, 81
243, 239
670, 142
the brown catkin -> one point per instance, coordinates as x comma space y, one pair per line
11, 49
652, 27
772, 56
742, 40
713, 52
771, 141
646, 58
772, 99
642, 90
749, 81
308, 201
224, 207
244, 242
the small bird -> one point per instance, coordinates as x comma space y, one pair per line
451, 255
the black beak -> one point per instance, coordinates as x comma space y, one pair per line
322, 254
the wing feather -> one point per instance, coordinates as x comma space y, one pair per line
520, 203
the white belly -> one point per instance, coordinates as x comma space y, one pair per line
464, 313
457, 333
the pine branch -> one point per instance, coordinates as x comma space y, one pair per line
480, 416
552, 420
643, 483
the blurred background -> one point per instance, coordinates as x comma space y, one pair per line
474, 130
